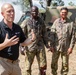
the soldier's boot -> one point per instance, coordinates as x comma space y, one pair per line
43, 70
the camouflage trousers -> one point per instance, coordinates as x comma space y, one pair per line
41, 58
54, 63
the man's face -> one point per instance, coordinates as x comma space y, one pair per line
63, 14
8, 13
34, 12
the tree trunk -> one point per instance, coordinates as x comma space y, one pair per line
48, 2
30, 1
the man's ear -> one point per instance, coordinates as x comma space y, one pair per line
2, 13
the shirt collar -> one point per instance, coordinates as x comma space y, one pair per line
5, 25
64, 21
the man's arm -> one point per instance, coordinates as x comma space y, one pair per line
53, 33
72, 43
28, 41
72, 36
45, 36
24, 26
53, 36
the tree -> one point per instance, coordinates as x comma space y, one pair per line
57, 3
25, 4
30, 2
71, 4
49, 2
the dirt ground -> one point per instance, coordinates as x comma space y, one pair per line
72, 64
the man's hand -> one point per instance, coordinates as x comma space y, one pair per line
22, 50
12, 41
69, 51
9, 42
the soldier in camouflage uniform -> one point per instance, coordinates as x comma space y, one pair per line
63, 41
37, 47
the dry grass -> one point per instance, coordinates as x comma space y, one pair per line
72, 64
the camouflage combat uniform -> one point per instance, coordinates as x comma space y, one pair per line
64, 38
37, 47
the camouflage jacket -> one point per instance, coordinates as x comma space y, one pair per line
40, 30
64, 34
